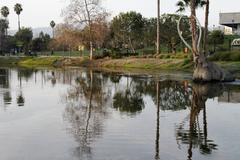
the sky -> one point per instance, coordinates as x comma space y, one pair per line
39, 13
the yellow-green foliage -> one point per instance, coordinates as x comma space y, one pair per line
9, 61
39, 61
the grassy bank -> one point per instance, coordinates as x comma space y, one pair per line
11, 61
28, 61
174, 64
141, 63
146, 63
38, 61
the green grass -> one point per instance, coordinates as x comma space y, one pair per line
11, 61
38, 61
68, 53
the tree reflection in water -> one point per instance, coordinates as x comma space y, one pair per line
7, 98
194, 136
20, 100
128, 99
86, 110
157, 146
5, 83
88, 99
4, 78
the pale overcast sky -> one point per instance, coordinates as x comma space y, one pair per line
38, 13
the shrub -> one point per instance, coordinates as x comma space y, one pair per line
148, 51
106, 53
226, 56
186, 62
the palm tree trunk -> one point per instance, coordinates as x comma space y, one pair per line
53, 33
1, 37
6, 32
158, 26
157, 146
205, 45
19, 23
194, 29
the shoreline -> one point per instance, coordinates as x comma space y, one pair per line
141, 65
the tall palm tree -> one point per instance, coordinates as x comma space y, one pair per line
5, 13
18, 9
52, 24
158, 26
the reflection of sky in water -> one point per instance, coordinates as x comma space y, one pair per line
60, 114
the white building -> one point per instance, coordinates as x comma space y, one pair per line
228, 30
231, 20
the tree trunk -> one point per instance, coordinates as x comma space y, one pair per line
194, 29
19, 27
131, 45
90, 29
205, 44
53, 32
6, 32
91, 50
158, 26
1, 39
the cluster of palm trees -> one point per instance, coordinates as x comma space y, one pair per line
17, 8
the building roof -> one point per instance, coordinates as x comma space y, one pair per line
230, 19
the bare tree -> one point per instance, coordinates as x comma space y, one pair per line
84, 13
66, 37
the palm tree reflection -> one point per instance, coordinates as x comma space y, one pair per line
20, 100
157, 150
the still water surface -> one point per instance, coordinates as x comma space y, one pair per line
76, 114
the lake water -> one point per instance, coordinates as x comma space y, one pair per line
77, 114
